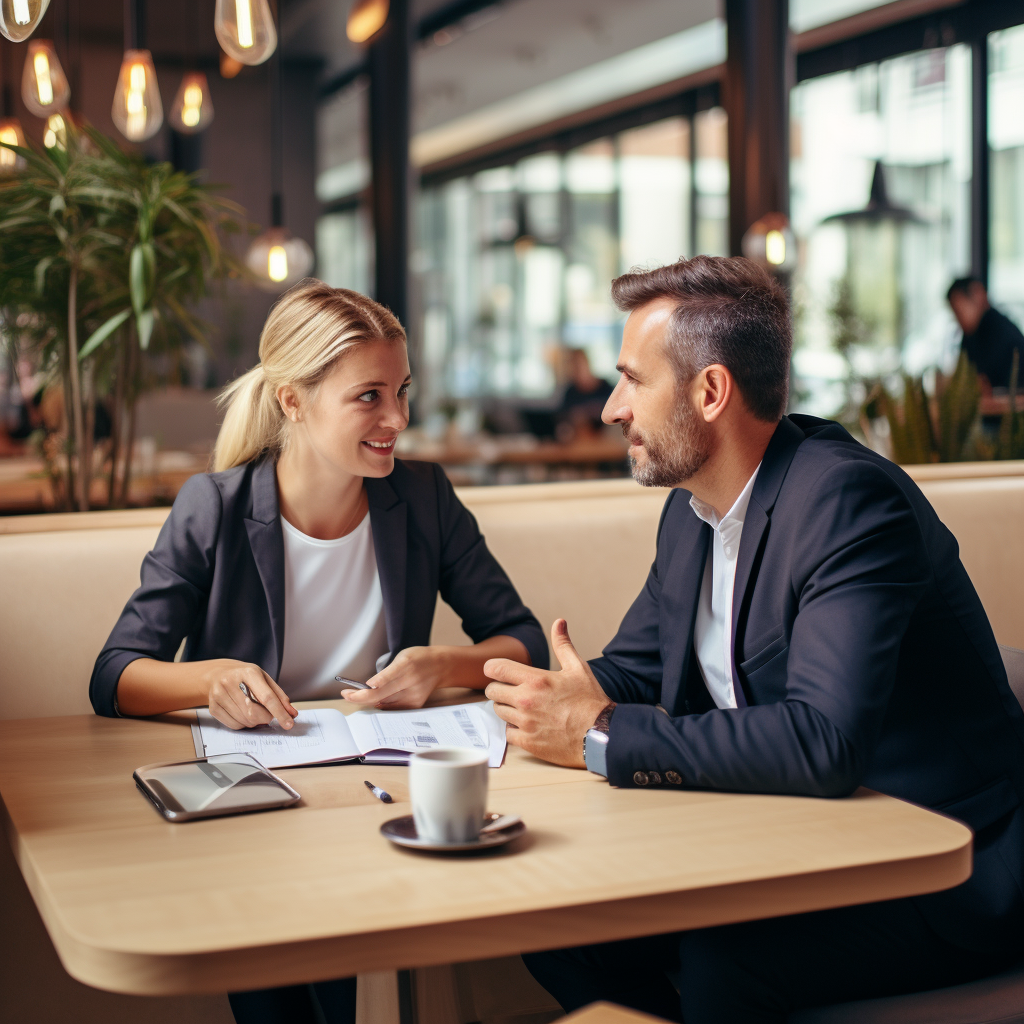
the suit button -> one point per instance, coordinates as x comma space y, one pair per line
640, 778
674, 777
655, 779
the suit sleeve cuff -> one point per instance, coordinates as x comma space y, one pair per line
632, 728
103, 690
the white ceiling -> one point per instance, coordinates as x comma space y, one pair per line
507, 50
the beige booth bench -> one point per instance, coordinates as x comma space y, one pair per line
579, 550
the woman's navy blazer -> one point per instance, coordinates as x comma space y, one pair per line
216, 574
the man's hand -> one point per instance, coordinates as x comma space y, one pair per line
548, 713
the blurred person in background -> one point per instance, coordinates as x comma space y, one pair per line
989, 338
579, 413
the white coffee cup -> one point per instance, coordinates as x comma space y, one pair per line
448, 791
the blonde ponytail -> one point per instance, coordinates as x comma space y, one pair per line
308, 330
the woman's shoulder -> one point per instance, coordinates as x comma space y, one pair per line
208, 497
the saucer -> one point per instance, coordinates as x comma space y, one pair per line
402, 832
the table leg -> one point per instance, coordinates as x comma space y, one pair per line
428, 995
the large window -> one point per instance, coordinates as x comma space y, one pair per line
870, 288
516, 261
1006, 139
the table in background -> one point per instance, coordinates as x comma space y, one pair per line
138, 905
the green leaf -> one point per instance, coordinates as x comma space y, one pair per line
144, 324
57, 205
102, 333
137, 279
40, 273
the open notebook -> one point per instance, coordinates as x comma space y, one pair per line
374, 737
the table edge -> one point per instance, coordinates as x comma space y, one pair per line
465, 940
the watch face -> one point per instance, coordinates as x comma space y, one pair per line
595, 752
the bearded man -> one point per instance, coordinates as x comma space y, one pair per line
806, 628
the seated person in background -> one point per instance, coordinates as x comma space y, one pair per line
806, 628
583, 399
311, 552
990, 338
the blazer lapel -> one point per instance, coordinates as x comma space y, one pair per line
388, 521
774, 466
681, 587
267, 543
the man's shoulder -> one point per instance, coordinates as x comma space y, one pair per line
1000, 324
829, 457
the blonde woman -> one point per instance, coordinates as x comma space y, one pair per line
311, 552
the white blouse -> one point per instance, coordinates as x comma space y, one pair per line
333, 612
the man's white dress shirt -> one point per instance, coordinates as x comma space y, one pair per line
712, 634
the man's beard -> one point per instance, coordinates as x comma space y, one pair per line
675, 455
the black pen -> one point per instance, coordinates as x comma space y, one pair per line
377, 792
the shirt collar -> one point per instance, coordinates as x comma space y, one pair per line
735, 515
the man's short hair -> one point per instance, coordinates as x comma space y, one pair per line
963, 286
729, 311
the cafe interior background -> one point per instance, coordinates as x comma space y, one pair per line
551, 146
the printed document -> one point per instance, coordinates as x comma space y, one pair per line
371, 736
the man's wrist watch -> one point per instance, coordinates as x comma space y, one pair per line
595, 743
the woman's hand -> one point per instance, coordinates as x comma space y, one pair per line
407, 682
229, 705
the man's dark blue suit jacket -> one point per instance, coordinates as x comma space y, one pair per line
863, 653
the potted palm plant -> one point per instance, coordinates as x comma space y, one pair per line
102, 259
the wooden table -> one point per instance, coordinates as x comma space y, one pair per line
137, 905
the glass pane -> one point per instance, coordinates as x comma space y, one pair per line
654, 208
592, 253
344, 250
1006, 139
870, 288
711, 180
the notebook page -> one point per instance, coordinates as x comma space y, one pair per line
472, 726
318, 735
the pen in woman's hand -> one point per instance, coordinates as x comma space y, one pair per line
378, 792
252, 696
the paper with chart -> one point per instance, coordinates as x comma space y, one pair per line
325, 734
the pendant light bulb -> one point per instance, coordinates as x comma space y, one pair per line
137, 111
193, 109
56, 134
245, 29
44, 86
20, 18
11, 133
279, 259
366, 19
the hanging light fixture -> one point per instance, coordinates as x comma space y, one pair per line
770, 242
277, 257
44, 86
20, 18
11, 133
56, 134
193, 109
366, 19
137, 111
245, 29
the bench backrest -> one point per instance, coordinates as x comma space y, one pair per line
579, 550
